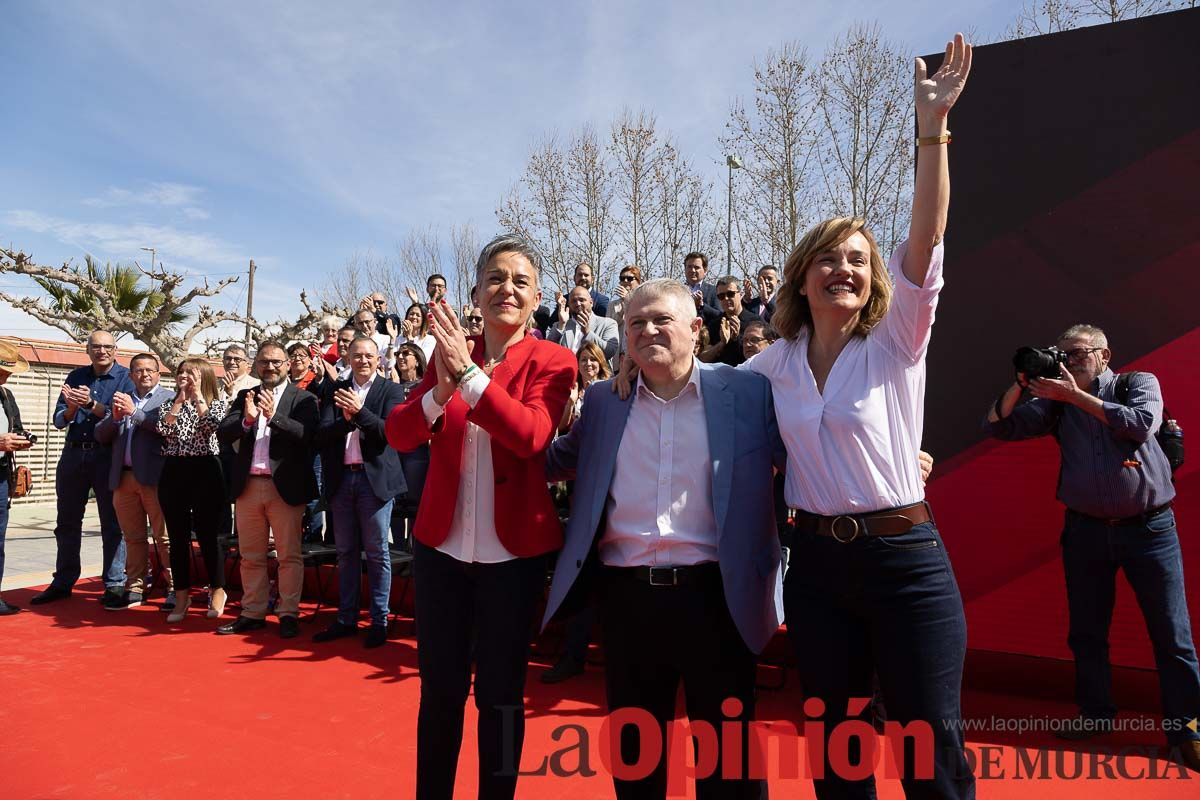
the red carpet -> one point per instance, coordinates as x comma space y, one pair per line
118, 705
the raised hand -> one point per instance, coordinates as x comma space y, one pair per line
348, 401
561, 303
227, 381
366, 304
412, 294
621, 291
936, 94
250, 410
389, 325
584, 320
446, 384
624, 379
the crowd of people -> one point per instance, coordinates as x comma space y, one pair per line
683, 416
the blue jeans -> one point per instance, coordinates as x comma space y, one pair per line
314, 517
885, 605
361, 524
1148, 552
3, 522
80, 471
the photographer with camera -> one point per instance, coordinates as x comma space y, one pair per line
12, 439
1115, 481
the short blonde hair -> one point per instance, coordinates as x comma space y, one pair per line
792, 312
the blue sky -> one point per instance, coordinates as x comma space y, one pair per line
297, 133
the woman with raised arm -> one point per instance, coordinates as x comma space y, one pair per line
870, 587
488, 405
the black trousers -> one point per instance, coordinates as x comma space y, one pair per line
191, 492
657, 636
485, 612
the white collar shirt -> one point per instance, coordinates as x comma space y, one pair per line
260, 461
659, 507
353, 451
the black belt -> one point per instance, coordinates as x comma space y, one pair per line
1117, 522
354, 467
86, 445
667, 576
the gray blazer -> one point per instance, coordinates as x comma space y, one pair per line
601, 330
146, 453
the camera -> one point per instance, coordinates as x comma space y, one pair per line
1039, 362
32, 437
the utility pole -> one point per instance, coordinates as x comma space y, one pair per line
249, 302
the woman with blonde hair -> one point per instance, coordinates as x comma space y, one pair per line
870, 588
191, 490
592, 367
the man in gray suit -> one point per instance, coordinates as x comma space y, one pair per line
133, 477
583, 325
673, 527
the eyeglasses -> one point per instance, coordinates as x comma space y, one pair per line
105, 347
298, 357
627, 279
1080, 353
473, 319
274, 363
234, 360
753, 339
727, 295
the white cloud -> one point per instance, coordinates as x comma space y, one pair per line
124, 240
195, 213
158, 193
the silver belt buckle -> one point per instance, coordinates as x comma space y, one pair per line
833, 528
669, 580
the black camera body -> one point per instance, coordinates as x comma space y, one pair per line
1039, 362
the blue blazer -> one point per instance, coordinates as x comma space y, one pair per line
146, 453
744, 445
380, 462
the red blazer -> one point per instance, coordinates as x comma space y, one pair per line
520, 410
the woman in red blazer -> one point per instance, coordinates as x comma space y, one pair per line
488, 405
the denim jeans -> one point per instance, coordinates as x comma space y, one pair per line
361, 523
3, 522
80, 471
1148, 552
314, 518
887, 605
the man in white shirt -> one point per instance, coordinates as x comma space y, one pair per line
363, 476
271, 427
674, 527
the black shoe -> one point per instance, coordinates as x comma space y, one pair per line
336, 630
566, 667
122, 601
169, 601
241, 625
1082, 728
376, 636
6, 609
289, 627
49, 595
112, 594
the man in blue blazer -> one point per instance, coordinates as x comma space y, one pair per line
130, 428
363, 476
673, 526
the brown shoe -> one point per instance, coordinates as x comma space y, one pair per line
1189, 754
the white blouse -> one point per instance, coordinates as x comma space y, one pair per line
854, 448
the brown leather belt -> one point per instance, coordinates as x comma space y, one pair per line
848, 527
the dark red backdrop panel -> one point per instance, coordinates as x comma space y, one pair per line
1075, 165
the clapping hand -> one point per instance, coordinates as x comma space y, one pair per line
122, 406
561, 303
227, 381
698, 296
77, 396
451, 341
348, 401
584, 320
937, 94
366, 304
621, 291
412, 294
265, 401
389, 325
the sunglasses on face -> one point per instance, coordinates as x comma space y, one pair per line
473, 319
627, 279
726, 295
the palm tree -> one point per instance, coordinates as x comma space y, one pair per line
123, 285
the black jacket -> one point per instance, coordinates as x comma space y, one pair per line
381, 462
292, 427
14, 426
